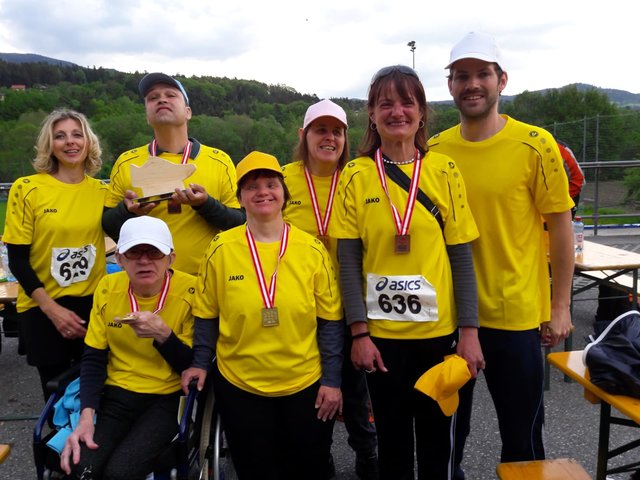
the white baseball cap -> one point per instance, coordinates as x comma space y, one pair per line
475, 45
325, 108
145, 230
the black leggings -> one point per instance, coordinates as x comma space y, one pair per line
132, 429
274, 438
46, 349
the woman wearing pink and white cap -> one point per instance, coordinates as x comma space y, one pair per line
312, 179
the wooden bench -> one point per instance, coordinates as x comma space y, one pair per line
559, 469
4, 451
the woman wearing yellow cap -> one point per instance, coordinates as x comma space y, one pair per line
267, 306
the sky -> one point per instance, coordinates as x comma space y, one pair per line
332, 49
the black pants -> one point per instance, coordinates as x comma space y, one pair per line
515, 375
46, 349
398, 407
132, 429
273, 438
355, 406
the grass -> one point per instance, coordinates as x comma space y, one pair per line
608, 220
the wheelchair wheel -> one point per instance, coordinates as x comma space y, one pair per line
214, 458
205, 434
222, 465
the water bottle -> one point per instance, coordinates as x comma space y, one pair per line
578, 235
4, 258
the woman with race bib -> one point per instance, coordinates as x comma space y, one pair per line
408, 284
267, 304
55, 242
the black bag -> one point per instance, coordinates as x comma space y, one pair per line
614, 357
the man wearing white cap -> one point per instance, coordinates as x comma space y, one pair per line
515, 179
205, 206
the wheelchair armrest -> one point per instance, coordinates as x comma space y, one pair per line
59, 384
56, 386
185, 421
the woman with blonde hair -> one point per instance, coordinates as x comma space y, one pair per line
55, 242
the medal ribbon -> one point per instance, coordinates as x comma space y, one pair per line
268, 293
133, 301
322, 223
402, 224
153, 149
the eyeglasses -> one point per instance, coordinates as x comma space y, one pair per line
137, 253
383, 72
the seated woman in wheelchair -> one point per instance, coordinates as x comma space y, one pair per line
137, 344
276, 377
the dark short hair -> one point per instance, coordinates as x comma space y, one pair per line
496, 67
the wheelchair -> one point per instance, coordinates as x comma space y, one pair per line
199, 452
214, 457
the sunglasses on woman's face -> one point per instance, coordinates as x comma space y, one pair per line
137, 253
383, 72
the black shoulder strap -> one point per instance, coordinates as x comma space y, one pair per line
401, 178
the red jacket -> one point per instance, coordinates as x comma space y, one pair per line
574, 172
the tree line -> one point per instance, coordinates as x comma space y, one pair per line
239, 116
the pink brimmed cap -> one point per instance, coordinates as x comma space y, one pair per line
325, 108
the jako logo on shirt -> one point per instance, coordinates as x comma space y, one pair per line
233, 278
372, 200
295, 202
50, 210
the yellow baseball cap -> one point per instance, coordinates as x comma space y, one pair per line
257, 161
442, 382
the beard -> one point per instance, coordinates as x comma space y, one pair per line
479, 111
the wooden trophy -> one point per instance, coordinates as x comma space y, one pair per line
158, 179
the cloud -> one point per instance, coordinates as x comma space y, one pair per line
328, 49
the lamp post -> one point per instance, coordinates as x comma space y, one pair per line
412, 47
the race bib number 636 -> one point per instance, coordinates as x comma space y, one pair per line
72, 265
404, 298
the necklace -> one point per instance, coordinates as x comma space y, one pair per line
391, 162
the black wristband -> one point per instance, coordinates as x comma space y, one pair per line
360, 335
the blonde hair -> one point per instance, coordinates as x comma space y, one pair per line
46, 162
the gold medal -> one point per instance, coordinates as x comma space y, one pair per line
270, 317
402, 244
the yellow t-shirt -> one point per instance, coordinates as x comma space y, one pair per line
191, 233
299, 209
410, 295
512, 179
270, 361
134, 363
62, 223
